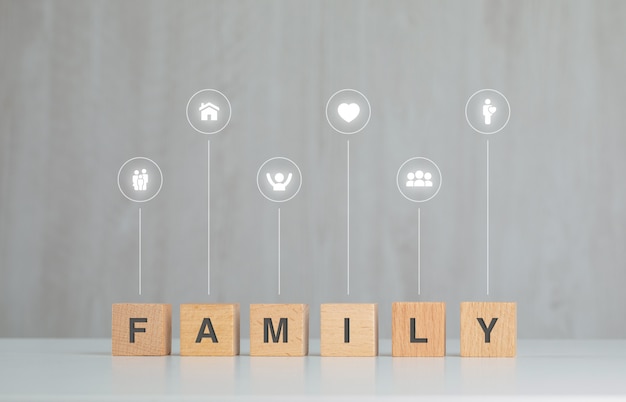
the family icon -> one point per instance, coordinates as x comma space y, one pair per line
140, 180
419, 179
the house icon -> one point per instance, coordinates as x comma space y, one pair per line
208, 110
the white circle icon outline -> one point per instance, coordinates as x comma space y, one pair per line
268, 161
424, 159
508, 108
119, 172
230, 111
369, 111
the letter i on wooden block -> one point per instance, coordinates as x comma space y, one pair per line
141, 329
488, 329
418, 329
209, 329
279, 329
349, 330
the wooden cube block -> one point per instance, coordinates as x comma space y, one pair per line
141, 329
209, 329
418, 329
349, 330
488, 329
279, 329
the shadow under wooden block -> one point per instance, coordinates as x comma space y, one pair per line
141, 329
349, 329
488, 329
418, 329
209, 329
279, 329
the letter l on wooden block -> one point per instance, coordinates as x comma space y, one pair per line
141, 329
488, 329
418, 329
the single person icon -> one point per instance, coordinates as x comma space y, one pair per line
488, 111
410, 179
136, 180
279, 183
428, 182
140, 182
419, 179
145, 179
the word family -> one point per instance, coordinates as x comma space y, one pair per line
418, 329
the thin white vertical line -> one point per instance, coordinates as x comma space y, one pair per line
348, 219
487, 217
419, 252
279, 251
208, 207
140, 251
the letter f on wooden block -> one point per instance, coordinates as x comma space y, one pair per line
349, 329
209, 329
488, 329
141, 329
418, 329
279, 329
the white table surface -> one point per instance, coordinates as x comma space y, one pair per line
80, 369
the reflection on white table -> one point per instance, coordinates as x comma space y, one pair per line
79, 369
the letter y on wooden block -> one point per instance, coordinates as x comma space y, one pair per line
488, 329
279, 329
349, 330
209, 329
418, 329
141, 329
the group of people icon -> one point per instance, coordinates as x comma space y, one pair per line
419, 179
140, 180
279, 183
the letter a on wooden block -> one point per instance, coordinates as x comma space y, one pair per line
349, 330
488, 329
141, 329
209, 329
279, 329
418, 329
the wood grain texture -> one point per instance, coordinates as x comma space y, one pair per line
429, 324
157, 338
297, 330
362, 334
224, 326
502, 339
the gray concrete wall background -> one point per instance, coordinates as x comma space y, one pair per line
85, 86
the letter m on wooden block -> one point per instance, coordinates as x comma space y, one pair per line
279, 330
488, 329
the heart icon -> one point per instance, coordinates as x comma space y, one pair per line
492, 109
348, 112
